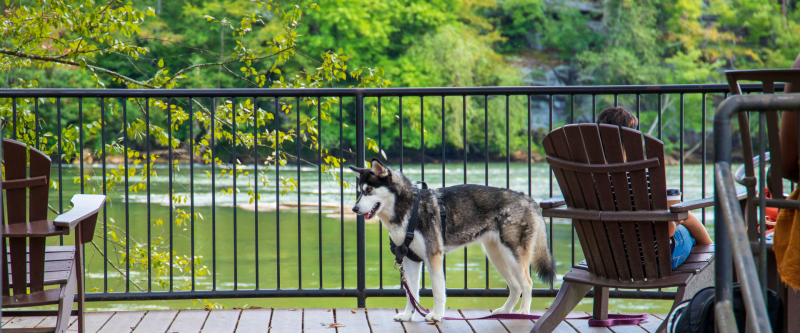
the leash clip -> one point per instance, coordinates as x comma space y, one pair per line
402, 272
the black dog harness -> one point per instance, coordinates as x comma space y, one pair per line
403, 251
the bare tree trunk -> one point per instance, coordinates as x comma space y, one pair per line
221, 55
783, 8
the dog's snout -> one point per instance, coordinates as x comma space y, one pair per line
355, 209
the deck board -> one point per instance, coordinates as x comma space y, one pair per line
489, 325
52, 321
318, 320
286, 320
222, 321
23, 322
418, 325
629, 328
382, 320
122, 322
93, 321
354, 320
189, 321
652, 322
454, 326
254, 321
376, 320
519, 325
582, 325
156, 321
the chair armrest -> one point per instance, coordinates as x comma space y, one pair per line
41, 228
596, 215
84, 206
572, 213
552, 202
702, 203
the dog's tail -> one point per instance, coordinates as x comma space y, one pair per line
543, 261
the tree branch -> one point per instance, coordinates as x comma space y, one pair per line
72, 63
220, 64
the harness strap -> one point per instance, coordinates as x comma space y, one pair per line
403, 251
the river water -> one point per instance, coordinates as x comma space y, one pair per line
325, 249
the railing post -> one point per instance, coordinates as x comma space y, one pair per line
360, 243
723, 260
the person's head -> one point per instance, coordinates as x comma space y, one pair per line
617, 116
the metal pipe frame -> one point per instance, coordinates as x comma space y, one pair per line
732, 244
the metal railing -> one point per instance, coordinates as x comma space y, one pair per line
733, 248
566, 97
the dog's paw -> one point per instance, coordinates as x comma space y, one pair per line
500, 310
434, 317
403, 316
524, 311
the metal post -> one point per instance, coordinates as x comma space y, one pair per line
360, 242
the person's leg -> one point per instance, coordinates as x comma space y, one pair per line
697, 230
683, 242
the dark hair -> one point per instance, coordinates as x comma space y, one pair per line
617, 116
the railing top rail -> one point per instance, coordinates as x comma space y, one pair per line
375, 92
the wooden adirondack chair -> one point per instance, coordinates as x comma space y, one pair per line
745, 175
614, 189
32, 266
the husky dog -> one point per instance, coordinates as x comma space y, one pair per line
508, 224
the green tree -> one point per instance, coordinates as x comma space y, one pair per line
122, 44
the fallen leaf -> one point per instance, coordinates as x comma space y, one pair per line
254, 307
329, 310
434, 324
353, 311
237, 308
336, 325
292, 309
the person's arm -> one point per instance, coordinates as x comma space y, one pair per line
788, 137
697, 230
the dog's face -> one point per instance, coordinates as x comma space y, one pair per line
374, 188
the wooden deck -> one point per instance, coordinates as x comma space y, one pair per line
309, 320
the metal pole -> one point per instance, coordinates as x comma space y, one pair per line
360, 242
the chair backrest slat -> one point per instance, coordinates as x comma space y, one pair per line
658, 193
634, 151
555, 145
27, 255
594, 231
612, 145
605, 194
569, 184
619, 250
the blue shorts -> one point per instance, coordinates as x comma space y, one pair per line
682, 243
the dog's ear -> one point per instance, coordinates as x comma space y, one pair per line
358, 171
378, 168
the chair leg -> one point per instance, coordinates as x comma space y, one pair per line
600, 307
569, 295
67, 297
79, 275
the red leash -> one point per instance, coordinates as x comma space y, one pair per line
613, 319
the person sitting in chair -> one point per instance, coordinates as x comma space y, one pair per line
683, 234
